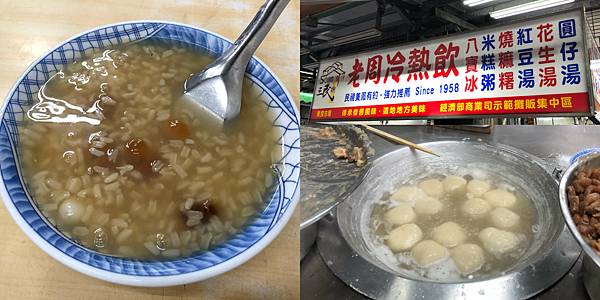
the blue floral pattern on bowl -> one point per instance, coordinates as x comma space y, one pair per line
265, 226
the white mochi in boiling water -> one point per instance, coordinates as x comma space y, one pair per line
404, 237
454, 184
433, 187
401, 214
498, 241
449, 234
504, 218
468, 258
500, 198
408, 194
475, 208
428, 206
478, 187
428, 252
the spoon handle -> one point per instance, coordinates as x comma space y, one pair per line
239, 54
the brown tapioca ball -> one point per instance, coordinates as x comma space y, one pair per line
176, 130
140, 155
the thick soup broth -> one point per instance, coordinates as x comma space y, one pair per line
119, 163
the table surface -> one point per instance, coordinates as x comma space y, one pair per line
553, 144
30, 28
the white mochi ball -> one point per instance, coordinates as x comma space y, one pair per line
71, 211
454, 184
428, 206
432, 187
478, 187
504, 218
404, 237
428, 252
475, 208
497, 241
401, 214
468, 258
500, 198
449, 234
408, 194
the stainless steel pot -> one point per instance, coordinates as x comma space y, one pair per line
551, 254
591, 261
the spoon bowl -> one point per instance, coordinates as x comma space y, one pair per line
217, 89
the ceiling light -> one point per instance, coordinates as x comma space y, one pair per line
355, 37
475, 2
527, 7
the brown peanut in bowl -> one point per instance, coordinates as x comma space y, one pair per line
580, 203
584, 204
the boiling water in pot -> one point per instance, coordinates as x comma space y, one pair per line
453, 225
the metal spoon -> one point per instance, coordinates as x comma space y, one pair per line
218, 88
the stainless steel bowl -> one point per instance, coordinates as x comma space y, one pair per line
326, 181
549, 256
591, 262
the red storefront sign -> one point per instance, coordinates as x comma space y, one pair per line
530, 68
555, 104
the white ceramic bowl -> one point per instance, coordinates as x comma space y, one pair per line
241, 247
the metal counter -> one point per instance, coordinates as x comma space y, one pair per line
554, 144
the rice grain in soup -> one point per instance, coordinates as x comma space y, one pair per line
117, 162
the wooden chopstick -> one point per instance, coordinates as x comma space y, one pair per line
397, 139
